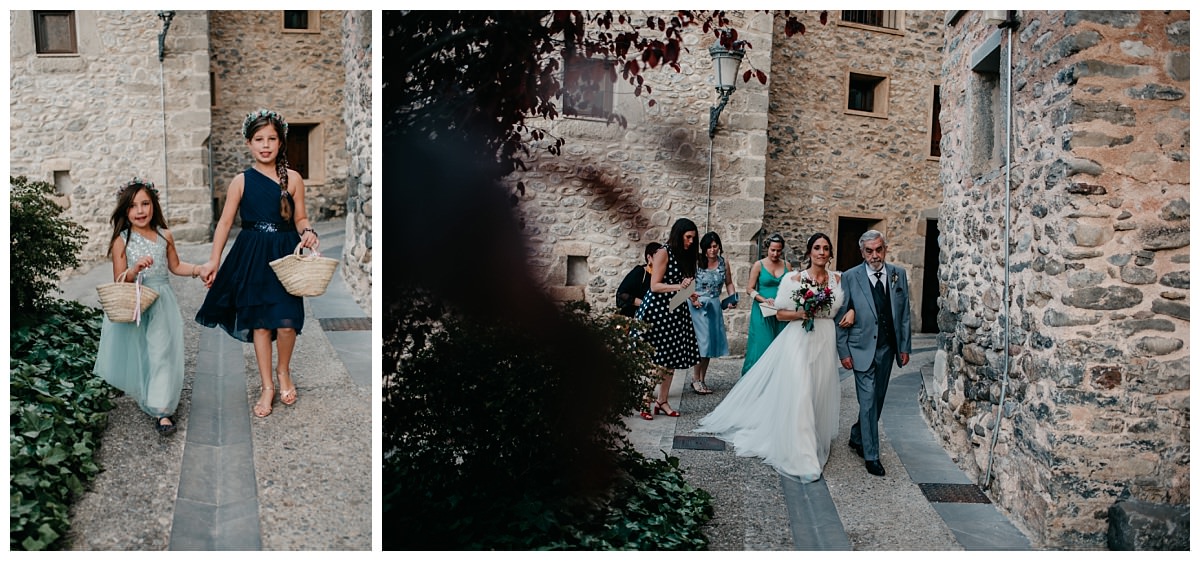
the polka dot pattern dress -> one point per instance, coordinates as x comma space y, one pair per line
671, 334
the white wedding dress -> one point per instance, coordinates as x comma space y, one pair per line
785, 409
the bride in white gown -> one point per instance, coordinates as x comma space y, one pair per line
785, 409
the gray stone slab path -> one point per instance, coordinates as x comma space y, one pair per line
756, 508
299, 479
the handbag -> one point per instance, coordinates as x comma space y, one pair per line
124, 302
304, 275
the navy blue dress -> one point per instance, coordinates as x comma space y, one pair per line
246, 295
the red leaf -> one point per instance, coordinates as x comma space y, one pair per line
632, 67
672, 54
651, 104
762, 77
802, 29
746, 76
824, 17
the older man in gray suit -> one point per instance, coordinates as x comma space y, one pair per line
881, 334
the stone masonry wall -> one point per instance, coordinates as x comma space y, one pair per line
356, 58
97, 117
824, 163
300, 75
1097, 406
615, 189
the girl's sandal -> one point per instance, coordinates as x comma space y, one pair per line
287, 397
164, 429
261, 410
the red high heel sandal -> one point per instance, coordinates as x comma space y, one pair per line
663, 408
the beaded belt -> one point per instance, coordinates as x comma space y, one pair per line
264, 226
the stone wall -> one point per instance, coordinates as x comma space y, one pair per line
356, 58
96, 119
825, 163
1096, 408
256, 63
615, 189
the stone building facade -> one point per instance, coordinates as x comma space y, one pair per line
258, 62
787, 156
89, 121
1090, 233
107, 109
357, 252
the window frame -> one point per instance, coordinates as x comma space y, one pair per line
607, 90
935, 122
314, 22
38, 29
898, 30
880, 93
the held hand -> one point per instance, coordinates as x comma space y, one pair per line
142, 264
847, 320
903, 359
848, 363
310, 240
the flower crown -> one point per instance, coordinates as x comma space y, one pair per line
137, 181
256, 115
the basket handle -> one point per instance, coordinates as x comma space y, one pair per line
299, 252
137, 299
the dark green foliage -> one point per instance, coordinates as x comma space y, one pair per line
57, 411
42, 245
487, 445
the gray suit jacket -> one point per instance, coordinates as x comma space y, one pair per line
858, 342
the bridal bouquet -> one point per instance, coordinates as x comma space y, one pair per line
812, 298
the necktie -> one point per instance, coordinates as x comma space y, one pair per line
878, 280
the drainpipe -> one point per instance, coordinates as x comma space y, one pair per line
166, 16
1009, 24
708, 204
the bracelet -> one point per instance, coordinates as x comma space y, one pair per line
193, 271
314, 232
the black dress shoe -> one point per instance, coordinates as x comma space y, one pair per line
857, 448
875, 468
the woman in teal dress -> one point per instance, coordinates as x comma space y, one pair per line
145, 358
765, 276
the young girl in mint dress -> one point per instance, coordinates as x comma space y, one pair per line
144, 358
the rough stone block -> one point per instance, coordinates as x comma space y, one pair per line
1141, 526
1104, 298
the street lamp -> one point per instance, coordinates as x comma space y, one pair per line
725, 65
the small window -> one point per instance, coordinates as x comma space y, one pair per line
935, 126
886, 19
867, 94
577, 270
588, 87
301, 21
54, 32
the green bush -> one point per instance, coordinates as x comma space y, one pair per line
490, 444
57, 412
42, 245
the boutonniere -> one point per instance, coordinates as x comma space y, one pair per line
896, 282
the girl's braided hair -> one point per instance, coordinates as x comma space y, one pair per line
250, 125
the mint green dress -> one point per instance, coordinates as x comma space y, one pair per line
146, 361
762, 330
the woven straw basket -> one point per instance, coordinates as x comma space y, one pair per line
120, 299
304, 275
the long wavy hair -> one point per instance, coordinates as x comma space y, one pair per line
120, 216
258, 120
685, 258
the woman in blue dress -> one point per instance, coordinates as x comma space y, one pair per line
245, 297
711, 275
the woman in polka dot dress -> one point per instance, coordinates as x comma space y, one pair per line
671, 331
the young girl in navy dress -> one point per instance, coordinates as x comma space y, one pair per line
145, 358
245, 297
